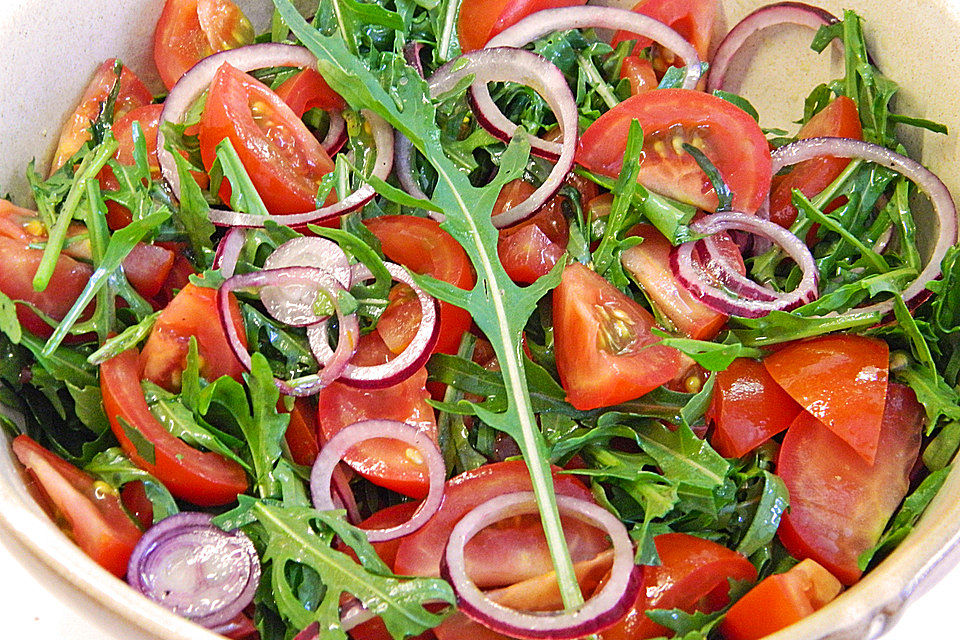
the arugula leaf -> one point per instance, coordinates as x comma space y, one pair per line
114, 467
712, 356
771, 506
683, 457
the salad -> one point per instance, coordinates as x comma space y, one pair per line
436, 319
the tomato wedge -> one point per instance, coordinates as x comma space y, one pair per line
87, 510
203, 478
639, 73
838, 119
748, 408
692, 19
284, 160
726, 134
423, 247
148, 116
504, 553
131, 93
605, 350
532, 248
779, 601
694, 576
842, 381
308, 90
190, 30
385, 462
840, 504
480, 20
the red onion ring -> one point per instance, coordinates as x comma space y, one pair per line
196, 569
797, 13
547, 21
339, 444
407, 361
600, 611
336, 133
349, 329
228, 251
504, 64
403, 159
248, 58
690, 275
943, 206
717, 265
294, 303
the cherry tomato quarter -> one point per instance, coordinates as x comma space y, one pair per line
692, 19
480, 20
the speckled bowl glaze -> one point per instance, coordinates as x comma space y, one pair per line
51, 47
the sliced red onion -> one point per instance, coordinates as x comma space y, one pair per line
505, 64
403, 152
943, 206
333, 452
717, 265
349, 327
753, 305
228, 251
293, 304
797, 13
602, 610
411, 53
196, 569
336, 133
547, 21
407, 361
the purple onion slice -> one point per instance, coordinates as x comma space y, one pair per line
506, 64
407, 361
293, 304
336, 133
797, 13
196, 569
422, 447
602, 610
228, 251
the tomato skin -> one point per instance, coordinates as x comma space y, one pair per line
649, 264
842, 381
639, 73
301, 433
728, 136
423, 247
203, 478
838, 119
87, 510
147, 268
780, 600
604, 347
692, 19
148, 116
192, 312
190, 30
284, 160
532, 248
693, 576
480, 20
133, 495
840, 504
506, 552
131, 94
748, 408
383, 461
308, 90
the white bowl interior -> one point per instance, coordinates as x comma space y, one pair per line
911, 42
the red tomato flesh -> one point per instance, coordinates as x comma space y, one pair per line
87, 510
308, 90
748, 408
605, 350
480, 20
692, 19
639, 73
532, 248
727, 135
839, 503
842, 381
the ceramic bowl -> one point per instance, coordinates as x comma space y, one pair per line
51, 47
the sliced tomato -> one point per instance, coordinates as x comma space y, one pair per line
532, 248
606, 352
649, 264
148, 116
131, 93
692, 19
385, 462
748, 408
308, 90
839, 503
506, 552
147, 268
694, 576
779, 601
192, 313
842, 381
284, 160
302, 431
422, 246
177, 279
133, 495
639, 73
726, 134
480, 20
190, 30
87, 510
838, 119
203, 478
